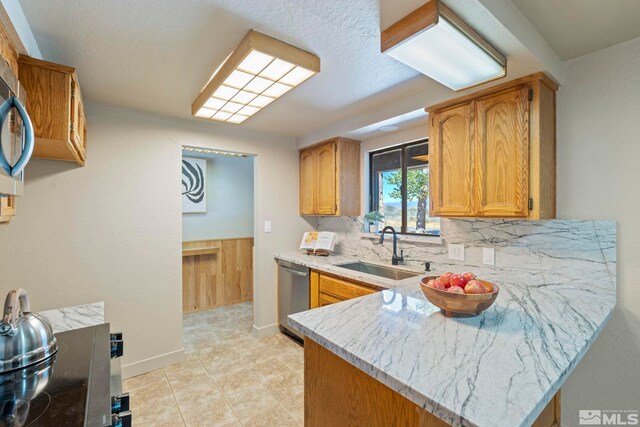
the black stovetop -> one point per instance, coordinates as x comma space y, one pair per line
54, 392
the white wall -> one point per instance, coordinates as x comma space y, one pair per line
229, 189
111, 231
598, 128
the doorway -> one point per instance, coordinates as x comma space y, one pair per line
217, 239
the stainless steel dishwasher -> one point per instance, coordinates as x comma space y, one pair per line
293, 293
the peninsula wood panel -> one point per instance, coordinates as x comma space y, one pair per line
336, 393
215, 280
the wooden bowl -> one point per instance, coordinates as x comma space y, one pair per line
460, 305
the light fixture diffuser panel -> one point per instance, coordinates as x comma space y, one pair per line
446, 55
297, 76
261, 101
277, 69
258, 71
255, 62
277, 90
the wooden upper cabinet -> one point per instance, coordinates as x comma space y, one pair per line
450, 161
308, 168
492, 154
56, 109
330, 178
326, 203
501, 152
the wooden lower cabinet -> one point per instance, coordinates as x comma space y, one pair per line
214, 278
336, 393
326, 289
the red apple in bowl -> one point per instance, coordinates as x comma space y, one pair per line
475, 287
455, 290
468, 276
436, 284
446, 277
457, 280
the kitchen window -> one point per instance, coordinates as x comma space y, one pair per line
399, 188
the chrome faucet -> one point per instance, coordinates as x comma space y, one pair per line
395, 259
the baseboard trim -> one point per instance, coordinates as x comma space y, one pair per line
151, 364
265, 331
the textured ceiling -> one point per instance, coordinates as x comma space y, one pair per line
577, 27
155, 55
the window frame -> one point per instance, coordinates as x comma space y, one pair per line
403, 166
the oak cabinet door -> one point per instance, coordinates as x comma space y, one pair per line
451, 162
326, 180
308, 173
501, 154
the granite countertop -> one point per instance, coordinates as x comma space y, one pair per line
500, 368
76, 317
331, 264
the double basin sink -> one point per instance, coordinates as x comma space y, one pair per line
379, 270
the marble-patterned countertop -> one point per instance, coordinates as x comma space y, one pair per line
76, 317
331, 264
500, 368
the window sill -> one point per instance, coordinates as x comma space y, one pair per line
432, 240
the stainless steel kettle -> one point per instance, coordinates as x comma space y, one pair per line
25, 337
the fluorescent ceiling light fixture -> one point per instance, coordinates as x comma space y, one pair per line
259, 71
201, 150
436, 42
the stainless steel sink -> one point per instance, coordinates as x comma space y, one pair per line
378, 270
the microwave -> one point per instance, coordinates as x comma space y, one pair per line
16, 133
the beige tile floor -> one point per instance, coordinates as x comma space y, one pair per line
229, 377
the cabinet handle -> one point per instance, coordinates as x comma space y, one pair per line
297, 273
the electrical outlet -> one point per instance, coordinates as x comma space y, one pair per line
267, 226
488, 256
456, 252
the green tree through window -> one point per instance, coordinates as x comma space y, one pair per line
404, 209
417, 190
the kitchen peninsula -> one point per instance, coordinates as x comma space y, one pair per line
393, 356
501, 368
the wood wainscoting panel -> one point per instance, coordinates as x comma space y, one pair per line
215, 278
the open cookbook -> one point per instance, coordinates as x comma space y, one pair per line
318, 242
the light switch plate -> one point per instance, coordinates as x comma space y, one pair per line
267, 226
456, 252
488, 256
